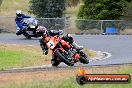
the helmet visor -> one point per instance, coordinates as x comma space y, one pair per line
19, 15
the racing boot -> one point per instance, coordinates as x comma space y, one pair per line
20, 31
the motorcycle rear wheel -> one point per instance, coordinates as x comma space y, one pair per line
27, 35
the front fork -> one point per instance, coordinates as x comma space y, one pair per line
82, 54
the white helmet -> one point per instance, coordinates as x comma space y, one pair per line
19, 13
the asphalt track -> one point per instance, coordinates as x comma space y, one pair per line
120, 46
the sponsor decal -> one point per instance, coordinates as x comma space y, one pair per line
83, 78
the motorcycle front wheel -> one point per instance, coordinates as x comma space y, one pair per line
83, 60
63, 58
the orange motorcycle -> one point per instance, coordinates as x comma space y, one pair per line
62, 51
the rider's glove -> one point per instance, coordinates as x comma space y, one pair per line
24, 27
45, 52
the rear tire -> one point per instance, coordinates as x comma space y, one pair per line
27, 35
63, 58
83, 60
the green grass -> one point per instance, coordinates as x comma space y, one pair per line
12, 56
9, 58
16, 58
9, 7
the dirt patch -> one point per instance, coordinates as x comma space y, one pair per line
19, 78
55, 75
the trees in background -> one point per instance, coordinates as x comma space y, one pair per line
103, 9
47, 8
128, 12
73, 3
1, 2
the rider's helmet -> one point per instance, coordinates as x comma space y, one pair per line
18, 13
42, 31
69, 37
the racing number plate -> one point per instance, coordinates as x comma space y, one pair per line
51, 44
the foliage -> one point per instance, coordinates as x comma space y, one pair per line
73, 3
93, 24
128, 13
47, 8
102, 9
1, 2
37, 7
87, 25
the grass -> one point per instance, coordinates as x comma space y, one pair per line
90, 53
67, 84
67, 79
21, 56
9, 7
10, 58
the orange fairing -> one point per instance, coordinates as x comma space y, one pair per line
55, 40
81, 71
46, 39
51, 42
76, 57
65, 44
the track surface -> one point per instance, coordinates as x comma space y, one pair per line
120, 46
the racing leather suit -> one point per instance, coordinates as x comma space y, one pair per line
67, 38
41, 31
18, 21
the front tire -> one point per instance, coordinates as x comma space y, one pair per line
54, 61
63, 58
83, 60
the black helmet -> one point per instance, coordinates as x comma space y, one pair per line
42, 31
18, 13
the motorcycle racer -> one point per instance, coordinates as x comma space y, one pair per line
67, 38
42, 31
70, 39
19, 18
